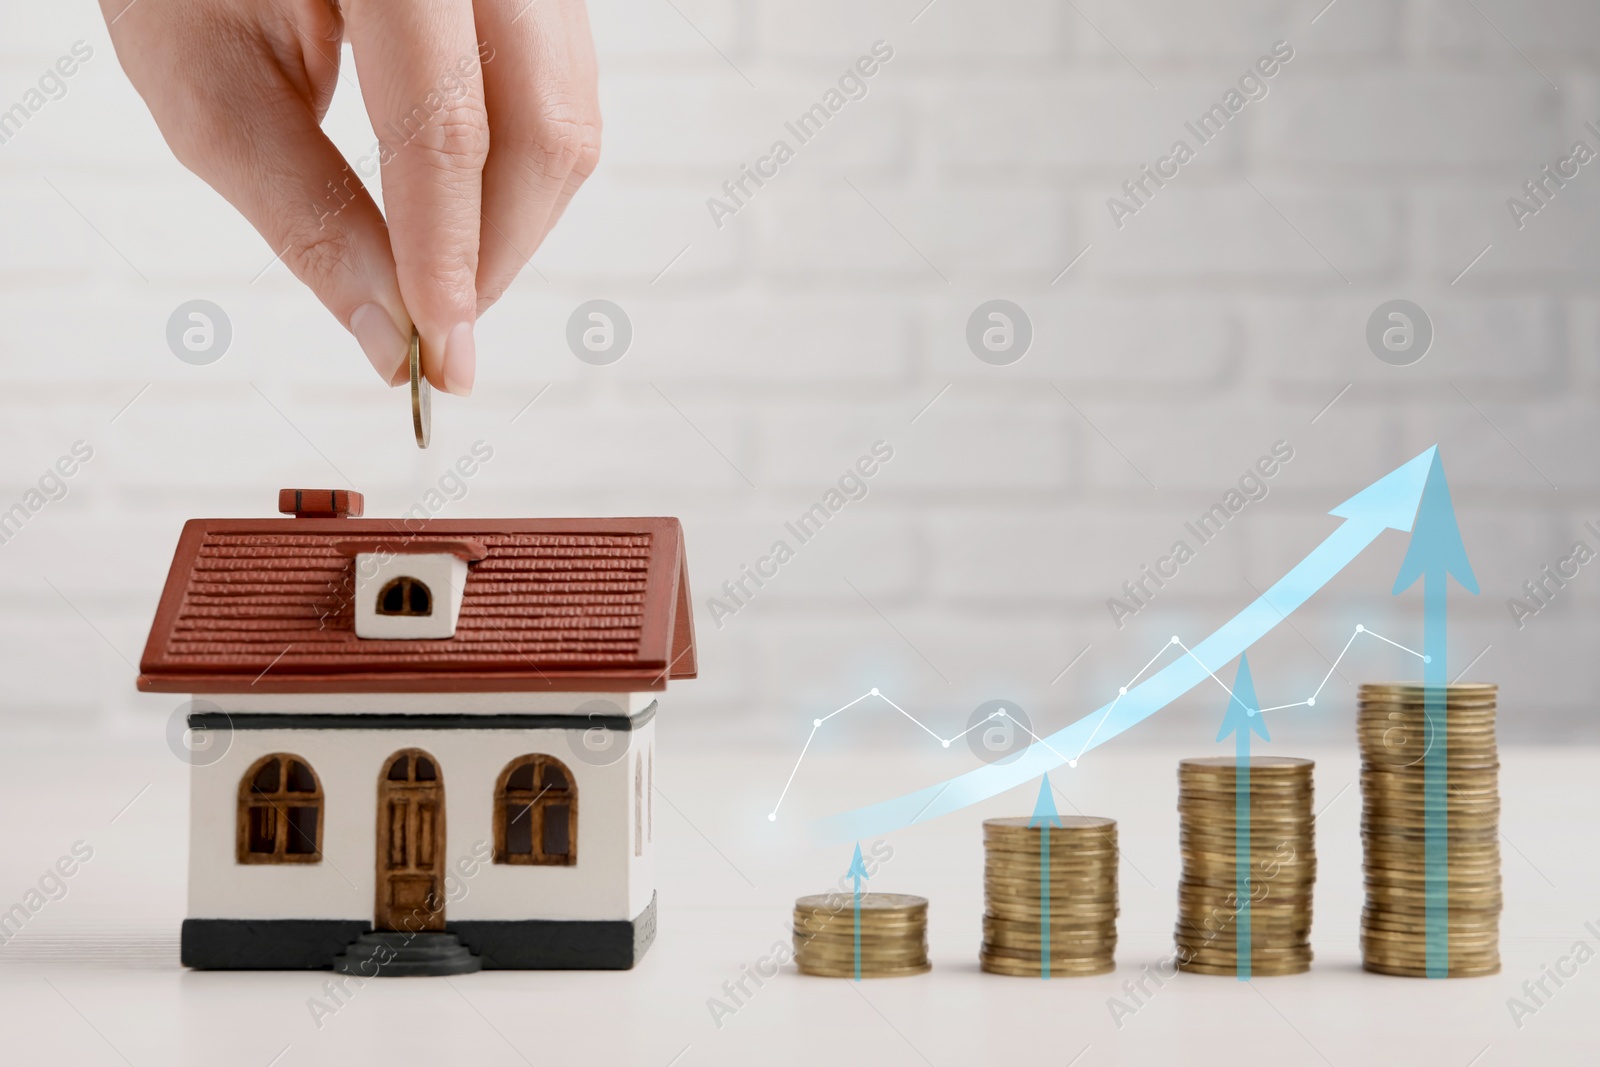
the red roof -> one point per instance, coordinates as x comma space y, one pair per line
265, 605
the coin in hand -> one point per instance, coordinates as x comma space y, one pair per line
421, 394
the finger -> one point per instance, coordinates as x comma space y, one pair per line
544, 121
420, 76
240, 114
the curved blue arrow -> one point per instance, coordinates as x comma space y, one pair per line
1389, 503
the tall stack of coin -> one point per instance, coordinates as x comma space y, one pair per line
1281, 865
894, 935
1076, 881
1397, 739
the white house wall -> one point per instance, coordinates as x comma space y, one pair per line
607, 882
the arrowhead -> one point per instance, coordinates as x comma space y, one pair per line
1044, 809
1238, 717
858, 868
1436, 546
1392, 500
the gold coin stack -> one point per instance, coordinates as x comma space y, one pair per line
1082, 897
1396, 739
1281, 865
894, 935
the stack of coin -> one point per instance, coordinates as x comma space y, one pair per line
1398, 737
1281, 865
894, 935
1077, 883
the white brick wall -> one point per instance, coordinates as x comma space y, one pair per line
824, 317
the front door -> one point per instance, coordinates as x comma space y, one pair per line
410, 843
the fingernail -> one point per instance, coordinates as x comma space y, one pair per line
460, 360
379, 338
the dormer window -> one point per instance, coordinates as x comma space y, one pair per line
405, 596
406, 593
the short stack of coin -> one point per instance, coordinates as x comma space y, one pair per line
1081, 896
1281, 865
894, 935
1397, 737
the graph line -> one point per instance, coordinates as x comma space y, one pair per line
1122, 691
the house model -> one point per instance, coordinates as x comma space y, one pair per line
425, 746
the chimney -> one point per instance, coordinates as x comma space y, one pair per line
320, 503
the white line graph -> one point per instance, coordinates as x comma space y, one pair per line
1122, 691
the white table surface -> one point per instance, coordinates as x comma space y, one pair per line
95, 978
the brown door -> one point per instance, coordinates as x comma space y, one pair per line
410, 843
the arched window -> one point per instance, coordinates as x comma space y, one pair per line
405, 596
280, 812
536, 813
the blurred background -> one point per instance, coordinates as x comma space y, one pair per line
1172, 346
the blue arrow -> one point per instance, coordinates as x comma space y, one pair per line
1389, 503
1243, 715
858, 871
1044, 815
1435, 555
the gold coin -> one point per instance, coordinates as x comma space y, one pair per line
1023, 913
837, 954
1415, 953
1104, 865
1469, 923
1460, 689
1061, 884
1264, 970
1258, 764
1090, 854
844, 955
1059, 948
1068, 822
1059, 942
847, 934
421, 394
1227, 953
822, 923
1454, 970
876, 902
899, 971
1017, 968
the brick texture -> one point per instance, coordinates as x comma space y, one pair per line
830, 311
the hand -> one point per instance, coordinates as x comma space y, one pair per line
487, 118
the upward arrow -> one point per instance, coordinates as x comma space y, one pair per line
1044, 817
1044, 808
1436, 555
1436, 549
1389, 503
1244, 712
1242, 717
858, 871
